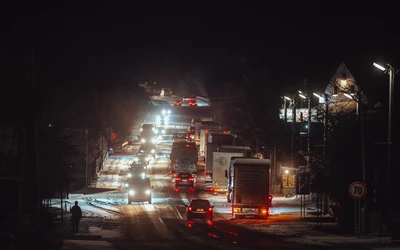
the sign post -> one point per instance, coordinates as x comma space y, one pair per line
357, 190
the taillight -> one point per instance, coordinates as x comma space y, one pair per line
190, 179
190, 208
210, 209
178, 179
270, 197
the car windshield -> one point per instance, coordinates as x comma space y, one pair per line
200, 203
185, 175
139, 183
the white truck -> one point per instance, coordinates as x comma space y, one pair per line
220, 165
248, 187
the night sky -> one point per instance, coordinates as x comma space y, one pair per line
105, 45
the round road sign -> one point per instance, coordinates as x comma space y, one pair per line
357, 190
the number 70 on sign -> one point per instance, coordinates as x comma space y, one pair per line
357, 190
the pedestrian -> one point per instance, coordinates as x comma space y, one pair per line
76, 217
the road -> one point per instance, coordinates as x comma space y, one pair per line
163, 223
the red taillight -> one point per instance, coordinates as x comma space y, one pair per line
190, 208
190, 179
270, 197
210, 209
178, 179
205, 173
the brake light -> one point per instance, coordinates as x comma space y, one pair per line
190, 208
190, 179
178, 179
210, 209
270, 197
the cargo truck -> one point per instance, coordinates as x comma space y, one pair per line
248, 187
221, 162
183, 159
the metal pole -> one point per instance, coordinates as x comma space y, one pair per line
326, 125
86, 157
293, 126
389, 156
308, 132
364, 172
284, 109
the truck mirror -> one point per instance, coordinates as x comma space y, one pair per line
226, 173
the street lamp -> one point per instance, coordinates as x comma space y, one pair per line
306, 97
391, 71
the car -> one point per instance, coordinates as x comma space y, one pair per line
178, 103
148, 137
148, 149
199, 209
141, 159
208, 177
137, 170
165, 112
185, 179
193, 103
139, 190
147, 127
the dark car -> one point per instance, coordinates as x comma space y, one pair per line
193, 103
178, 103
139, 189
184, 179
199, 209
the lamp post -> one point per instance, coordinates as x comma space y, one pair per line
306, 97
391, 71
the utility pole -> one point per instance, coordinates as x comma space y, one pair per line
326, 125
86, 157
361, 117
293, 126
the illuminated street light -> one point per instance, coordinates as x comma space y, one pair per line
379, 67
347, 95
302, 96
391, 71
287, 98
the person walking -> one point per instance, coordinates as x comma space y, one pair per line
76, 217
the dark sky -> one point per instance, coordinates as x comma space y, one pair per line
100, 44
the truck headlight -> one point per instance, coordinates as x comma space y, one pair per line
148, 191
131, 192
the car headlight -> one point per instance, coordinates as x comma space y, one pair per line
126, 185
129, 175
156, 131
169, 111
163, 131
163, 112
148, 191
131, 192
166, 118
153, 140
143, 140
143, 175
152, 151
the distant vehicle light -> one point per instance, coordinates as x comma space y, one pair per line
129, 176
143, 140
148, 191
152, 151
131, 192
153, 140
163, 112
126, 185
163, 131
143, 175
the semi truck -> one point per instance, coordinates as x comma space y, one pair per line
248, 187
221, 162
215, 141
183, 159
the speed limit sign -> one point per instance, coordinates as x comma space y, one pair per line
357, 190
